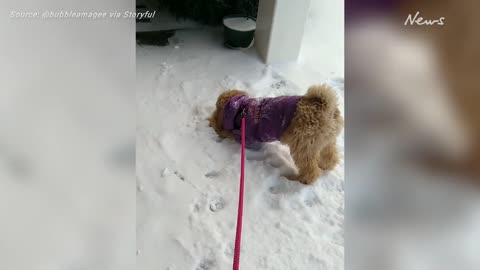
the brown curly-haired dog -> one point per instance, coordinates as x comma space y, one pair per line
308, 124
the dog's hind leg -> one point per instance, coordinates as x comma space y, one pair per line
328, 157
305, 156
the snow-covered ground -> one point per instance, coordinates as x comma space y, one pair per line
187, 179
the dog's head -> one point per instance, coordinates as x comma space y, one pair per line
216, 119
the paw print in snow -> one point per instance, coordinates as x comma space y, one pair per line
279, 84
180, 176
212, 174
217, 204
275, 189
206, 264
164, 69
196, 208
229, 250
165, 172
263, 262
312, 199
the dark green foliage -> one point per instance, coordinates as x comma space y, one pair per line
210, 11
156, 38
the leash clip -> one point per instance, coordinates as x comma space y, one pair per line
243, 113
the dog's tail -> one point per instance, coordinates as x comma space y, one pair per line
322, 96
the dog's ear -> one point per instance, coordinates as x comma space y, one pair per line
215, 121
212, 120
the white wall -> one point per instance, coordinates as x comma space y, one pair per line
280, 27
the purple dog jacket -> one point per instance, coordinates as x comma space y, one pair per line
266, 119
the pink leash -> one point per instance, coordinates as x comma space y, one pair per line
238, 236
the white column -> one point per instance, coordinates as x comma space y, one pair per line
280, 26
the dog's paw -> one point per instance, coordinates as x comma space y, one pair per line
301, 179
293, 177
328, 166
